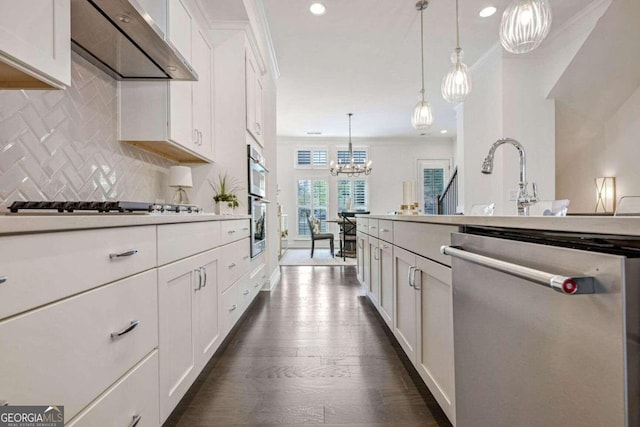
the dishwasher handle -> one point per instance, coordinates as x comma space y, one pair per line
572, 285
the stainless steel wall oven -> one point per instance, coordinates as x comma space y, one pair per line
257, 173
258, 214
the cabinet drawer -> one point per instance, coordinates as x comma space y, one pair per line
424, 239
234, 262
373, 228
385, 230
41, 268
362, 224
177, 241
257, 280
233, 230
134, 395
231, 307
64, 352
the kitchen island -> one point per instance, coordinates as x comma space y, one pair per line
519, 346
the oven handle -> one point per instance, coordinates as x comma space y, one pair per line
259, 165
572, 285
259, 199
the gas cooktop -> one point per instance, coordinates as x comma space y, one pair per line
101, 207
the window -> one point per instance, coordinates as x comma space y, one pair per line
313, 196
311, 158
432, 175
359, 156
354, 190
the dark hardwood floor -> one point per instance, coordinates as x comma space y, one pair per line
314, 351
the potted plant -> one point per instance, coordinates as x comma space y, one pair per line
225, 197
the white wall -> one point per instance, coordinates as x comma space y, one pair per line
393, 162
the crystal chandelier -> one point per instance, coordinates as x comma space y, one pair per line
422, 118
525, 23
351, 168
456, 84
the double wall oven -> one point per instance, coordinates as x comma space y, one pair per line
257, 203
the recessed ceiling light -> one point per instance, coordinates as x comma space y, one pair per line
487, 11
443, 131
317, 9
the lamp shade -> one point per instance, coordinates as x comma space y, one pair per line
180, 176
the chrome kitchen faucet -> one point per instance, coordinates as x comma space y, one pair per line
524, 200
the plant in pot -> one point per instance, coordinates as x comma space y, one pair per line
224, 194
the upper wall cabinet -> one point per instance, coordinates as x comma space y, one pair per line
254, 98
35, 44
173, 119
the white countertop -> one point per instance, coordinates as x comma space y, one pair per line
37, 222
620, 225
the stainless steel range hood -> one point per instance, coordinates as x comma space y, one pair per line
119, 37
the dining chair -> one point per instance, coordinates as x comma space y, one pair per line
314, 228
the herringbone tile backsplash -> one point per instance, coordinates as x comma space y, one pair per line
62, 145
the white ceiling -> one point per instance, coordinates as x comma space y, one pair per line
363, 56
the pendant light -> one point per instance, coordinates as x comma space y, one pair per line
456, 84
351, 168
422, 118
525, 24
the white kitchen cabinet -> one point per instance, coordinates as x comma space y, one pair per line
385, 306
189, 331
70, 351
35, 44
173, 119
361, 241
131, 398
366, 265
373, 288
254, 98
424, 322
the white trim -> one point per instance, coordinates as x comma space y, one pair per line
577, 19
268, 40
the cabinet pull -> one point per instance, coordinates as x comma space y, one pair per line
375, 252
3, 279
258, 128
199, 272
385, 230
134, 324
231, 231
256, 285
195, 136
204, 272
135, 421
233, 307
373, 227
245, 257
409, 276
246, 292
130, 252
245, 229
413, 280
384, 246
232, 265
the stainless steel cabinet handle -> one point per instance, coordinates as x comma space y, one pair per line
231, 231
413, 279
246, 292
135, 421
571, 285
204, 273
258, 128
256, 285
3, 279
409, 276
130, 252
385, 246
195, 136
232, 265
245, 229
245, 257
361, 244
373, 227
385, 230
199, 272
134, 324
375, 253
233, 307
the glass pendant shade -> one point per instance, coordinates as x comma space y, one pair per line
422, 118
457, 83
525, 24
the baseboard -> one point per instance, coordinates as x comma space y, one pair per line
274, 279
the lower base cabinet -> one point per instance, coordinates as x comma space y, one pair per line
424, 322
189, 332
127, 401
385, 307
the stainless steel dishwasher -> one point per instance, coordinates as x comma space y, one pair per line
546, 329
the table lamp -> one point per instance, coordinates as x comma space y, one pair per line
180, 178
